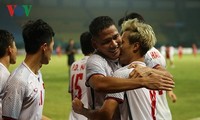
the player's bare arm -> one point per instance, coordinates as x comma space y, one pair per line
79, 108
107, 84
145, 71
157, 82
106, 112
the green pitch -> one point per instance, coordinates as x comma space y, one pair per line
186, 75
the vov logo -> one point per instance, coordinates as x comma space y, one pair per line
19, 10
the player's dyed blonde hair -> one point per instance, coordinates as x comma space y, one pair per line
140, 32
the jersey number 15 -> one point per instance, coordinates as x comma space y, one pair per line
75, 87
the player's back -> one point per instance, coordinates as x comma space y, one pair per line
152, 58
137, 104
77, 86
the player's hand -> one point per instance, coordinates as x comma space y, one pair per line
139, 71
77, 106
157, 82
172, 96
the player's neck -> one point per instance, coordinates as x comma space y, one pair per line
137, 58
33, 62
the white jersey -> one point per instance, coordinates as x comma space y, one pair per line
77, 86
23, 95
4, 74
138, 100
96, 64
152, 58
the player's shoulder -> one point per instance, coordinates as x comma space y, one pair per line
152, 53
153, 49
96, 59
3, 70
21, 73
121, 72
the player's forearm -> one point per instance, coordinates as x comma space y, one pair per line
113, 84
162, 71
92, 114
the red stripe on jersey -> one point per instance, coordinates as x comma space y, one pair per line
153, 103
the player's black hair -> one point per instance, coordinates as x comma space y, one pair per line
130, 16
86, 43
100, 23
6, 39
36, 33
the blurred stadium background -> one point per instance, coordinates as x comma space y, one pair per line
175, 22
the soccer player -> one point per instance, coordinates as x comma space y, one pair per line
78, 76
24, 91
170, 55
137, 39
154, 59
8, 53
194, 49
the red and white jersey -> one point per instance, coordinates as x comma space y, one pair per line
138, 102
152, 58
77, 86
4, 74
23, 97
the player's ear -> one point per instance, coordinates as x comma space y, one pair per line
44, 47
9, 50
94, 44
136, 47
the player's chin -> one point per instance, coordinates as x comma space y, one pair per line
114, 56
45, 61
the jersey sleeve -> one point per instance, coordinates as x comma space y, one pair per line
95, 65
13, 98
119, 97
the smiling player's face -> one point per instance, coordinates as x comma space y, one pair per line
126, 50
108, 42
